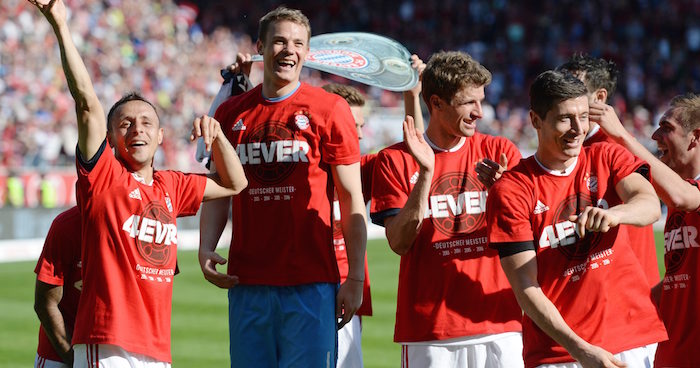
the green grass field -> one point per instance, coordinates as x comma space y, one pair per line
200, 322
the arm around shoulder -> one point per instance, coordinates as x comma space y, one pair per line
227, 176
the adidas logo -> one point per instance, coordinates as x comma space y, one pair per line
540, 208
135, 194
238, 126
414, 178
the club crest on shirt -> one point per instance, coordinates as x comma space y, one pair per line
168, 203
301, 120
591, 183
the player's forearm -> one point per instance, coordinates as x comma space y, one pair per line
55, 328
411, 100
673, 190
90, 115
641, 210
79, 82
521, 271
402, 229
354, 224
543, 312
228, 166
212, 222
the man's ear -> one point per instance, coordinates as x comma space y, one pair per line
259, 46
535, 119
600, 95
436, 102
695, 140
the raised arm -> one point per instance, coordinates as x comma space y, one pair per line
353, 219
411, 98
402, 229
92, 126
673, 190
521, 270
46, 299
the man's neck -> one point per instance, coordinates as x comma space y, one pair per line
272, 91
143, 174
557, 167
442, 140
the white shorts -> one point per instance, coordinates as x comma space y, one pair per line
350, 344
503, 350
111, 356
41, 362
642, 357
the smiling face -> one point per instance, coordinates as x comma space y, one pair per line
674, 143
561, 133
135, 134
284, 50
457, 118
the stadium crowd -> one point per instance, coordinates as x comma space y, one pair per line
172, 53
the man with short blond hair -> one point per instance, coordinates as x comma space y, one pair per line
678, 178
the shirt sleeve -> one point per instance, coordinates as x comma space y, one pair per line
508, 211
101, 172
61, 248
190, 192
390, 188
339, 140
623, 163
49, 269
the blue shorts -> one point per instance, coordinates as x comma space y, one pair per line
283, 326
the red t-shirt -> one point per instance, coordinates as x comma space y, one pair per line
680, 295
642, 239
596, 283
59, 265
450, 283
129, 233
341, 256
282, 231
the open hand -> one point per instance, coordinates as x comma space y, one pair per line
417, 146
207, 262
488, 171
53, 10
